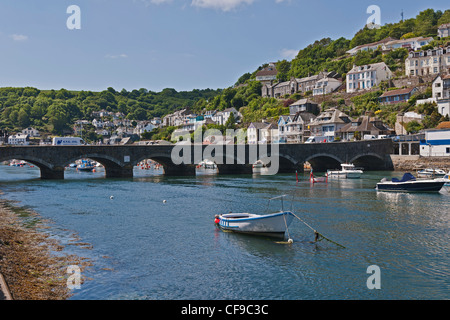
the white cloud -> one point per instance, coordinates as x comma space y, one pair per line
19, 37
289, 53
224, 5
116, 56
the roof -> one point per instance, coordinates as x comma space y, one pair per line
372, 44
373, 66
397, 92
267, 72
330, 116
444, 125
302, 102
444, 26
365, 124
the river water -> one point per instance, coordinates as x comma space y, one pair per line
144, 248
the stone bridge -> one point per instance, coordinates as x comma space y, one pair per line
230, 159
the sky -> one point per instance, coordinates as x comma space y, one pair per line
180, 44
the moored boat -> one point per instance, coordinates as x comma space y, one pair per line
272, 225
408, 183
431, 173
348, 171
85, 165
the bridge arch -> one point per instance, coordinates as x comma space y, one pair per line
47, 169
321, 162
369, 161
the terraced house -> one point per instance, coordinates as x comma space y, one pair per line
428, 62
367, 76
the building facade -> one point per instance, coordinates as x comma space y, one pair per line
367, 76
436, 143
428, 62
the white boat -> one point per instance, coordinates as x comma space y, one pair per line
272, 225
348, 171
431, 173
258, 165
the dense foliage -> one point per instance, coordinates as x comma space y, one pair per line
56, 110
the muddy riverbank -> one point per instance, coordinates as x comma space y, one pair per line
32, 263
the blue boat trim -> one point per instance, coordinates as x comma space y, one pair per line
255, 218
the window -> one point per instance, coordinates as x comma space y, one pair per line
447, 150
435, 70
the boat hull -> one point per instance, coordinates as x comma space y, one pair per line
411, 186
272, 225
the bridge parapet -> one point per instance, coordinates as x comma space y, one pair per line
231, 159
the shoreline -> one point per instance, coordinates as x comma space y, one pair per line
416, 163
30, 262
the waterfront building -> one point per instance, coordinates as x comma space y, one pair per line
367, 76
436, 143
262, 133
19, 139
327, 123
364, 125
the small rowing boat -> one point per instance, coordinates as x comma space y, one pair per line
272, 225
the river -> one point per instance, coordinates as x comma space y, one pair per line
143, 247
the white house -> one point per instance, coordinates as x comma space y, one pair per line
441, 93
411, 43
328, 122
19, 139
32, 132
436, 143
367, 76
325, 86
262, 133
444, 30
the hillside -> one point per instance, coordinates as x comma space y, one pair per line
55, 111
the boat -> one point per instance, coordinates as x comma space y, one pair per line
446, 180
348, 171
85, 165
431, 173
207, 164
408, 183
272, 225
258, 165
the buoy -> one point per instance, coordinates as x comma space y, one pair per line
290, 241
111, 197
164, 201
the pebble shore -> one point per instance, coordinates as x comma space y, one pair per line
28, 261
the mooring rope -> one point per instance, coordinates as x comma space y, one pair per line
316, 233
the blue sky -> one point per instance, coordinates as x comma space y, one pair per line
157, 44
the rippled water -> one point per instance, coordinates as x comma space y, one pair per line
143, 248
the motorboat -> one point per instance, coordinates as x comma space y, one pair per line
348, 171
272, 225
85, 165
408, 183
431, 173
258, 165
